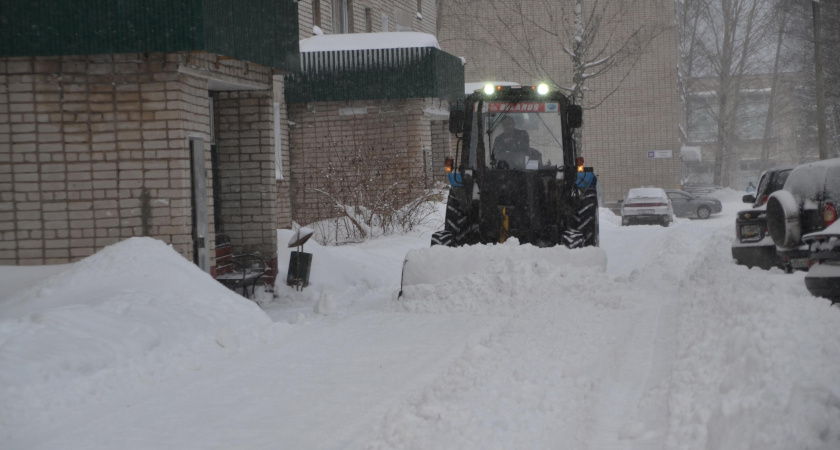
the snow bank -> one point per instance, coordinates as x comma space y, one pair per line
757, 360
132, 301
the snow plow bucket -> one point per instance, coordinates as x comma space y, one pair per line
439, 263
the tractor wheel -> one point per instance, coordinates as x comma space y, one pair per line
457, 223
442, 238
573, 238
585, 220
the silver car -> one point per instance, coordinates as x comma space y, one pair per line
687, 205
646, 205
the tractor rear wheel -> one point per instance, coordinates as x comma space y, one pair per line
457, 225
584, 222
442, 238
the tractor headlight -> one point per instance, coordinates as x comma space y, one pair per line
489, 89
542, 89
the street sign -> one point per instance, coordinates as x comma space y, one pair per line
659, 154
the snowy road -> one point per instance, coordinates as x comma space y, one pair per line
667, 347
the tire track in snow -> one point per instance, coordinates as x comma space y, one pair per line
632, 410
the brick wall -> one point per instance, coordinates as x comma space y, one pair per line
342, 151
245, 145
94, 149
284, 205
442, 148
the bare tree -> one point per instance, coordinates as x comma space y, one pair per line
722, 43
565, 44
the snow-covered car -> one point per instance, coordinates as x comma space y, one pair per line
808, 203
687, 205
753, 246
823, 278
646, 205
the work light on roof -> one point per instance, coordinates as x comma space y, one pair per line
488, 89
542, 89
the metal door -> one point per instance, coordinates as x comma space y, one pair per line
198, 175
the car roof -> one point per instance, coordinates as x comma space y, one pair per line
646, 193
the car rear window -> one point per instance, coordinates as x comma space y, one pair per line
770, 183
777, 182
646, 193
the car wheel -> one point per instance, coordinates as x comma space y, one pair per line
666, 221
703, 212
783, 219
625, 221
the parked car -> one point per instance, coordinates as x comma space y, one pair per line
687, 205
823, 279
646, 205
753, 246
808, 203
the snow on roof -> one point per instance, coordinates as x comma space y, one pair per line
646, 193
471, 87
367, 41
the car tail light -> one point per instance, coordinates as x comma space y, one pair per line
829, 214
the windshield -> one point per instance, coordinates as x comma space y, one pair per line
525, 135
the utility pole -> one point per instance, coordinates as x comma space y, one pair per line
821, 133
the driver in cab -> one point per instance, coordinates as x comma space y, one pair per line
512, 148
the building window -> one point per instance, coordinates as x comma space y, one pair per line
342, 16
752, 116
316, 12
368, 20
420, 6
702, 124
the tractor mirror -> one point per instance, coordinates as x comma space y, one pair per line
456, 121
574, 114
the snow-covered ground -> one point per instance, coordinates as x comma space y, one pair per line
655, 341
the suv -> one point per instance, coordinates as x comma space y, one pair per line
646, 205
808, 203
753, 246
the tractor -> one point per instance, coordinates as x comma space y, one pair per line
516, 172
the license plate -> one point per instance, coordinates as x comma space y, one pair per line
646, 211
750, 231
799, 262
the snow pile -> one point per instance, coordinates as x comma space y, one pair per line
495, 279
439, 263
757, 360
137, 302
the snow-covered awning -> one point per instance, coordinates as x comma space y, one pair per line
367, 41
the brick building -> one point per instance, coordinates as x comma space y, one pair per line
369, 111
622, 134
140, 118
